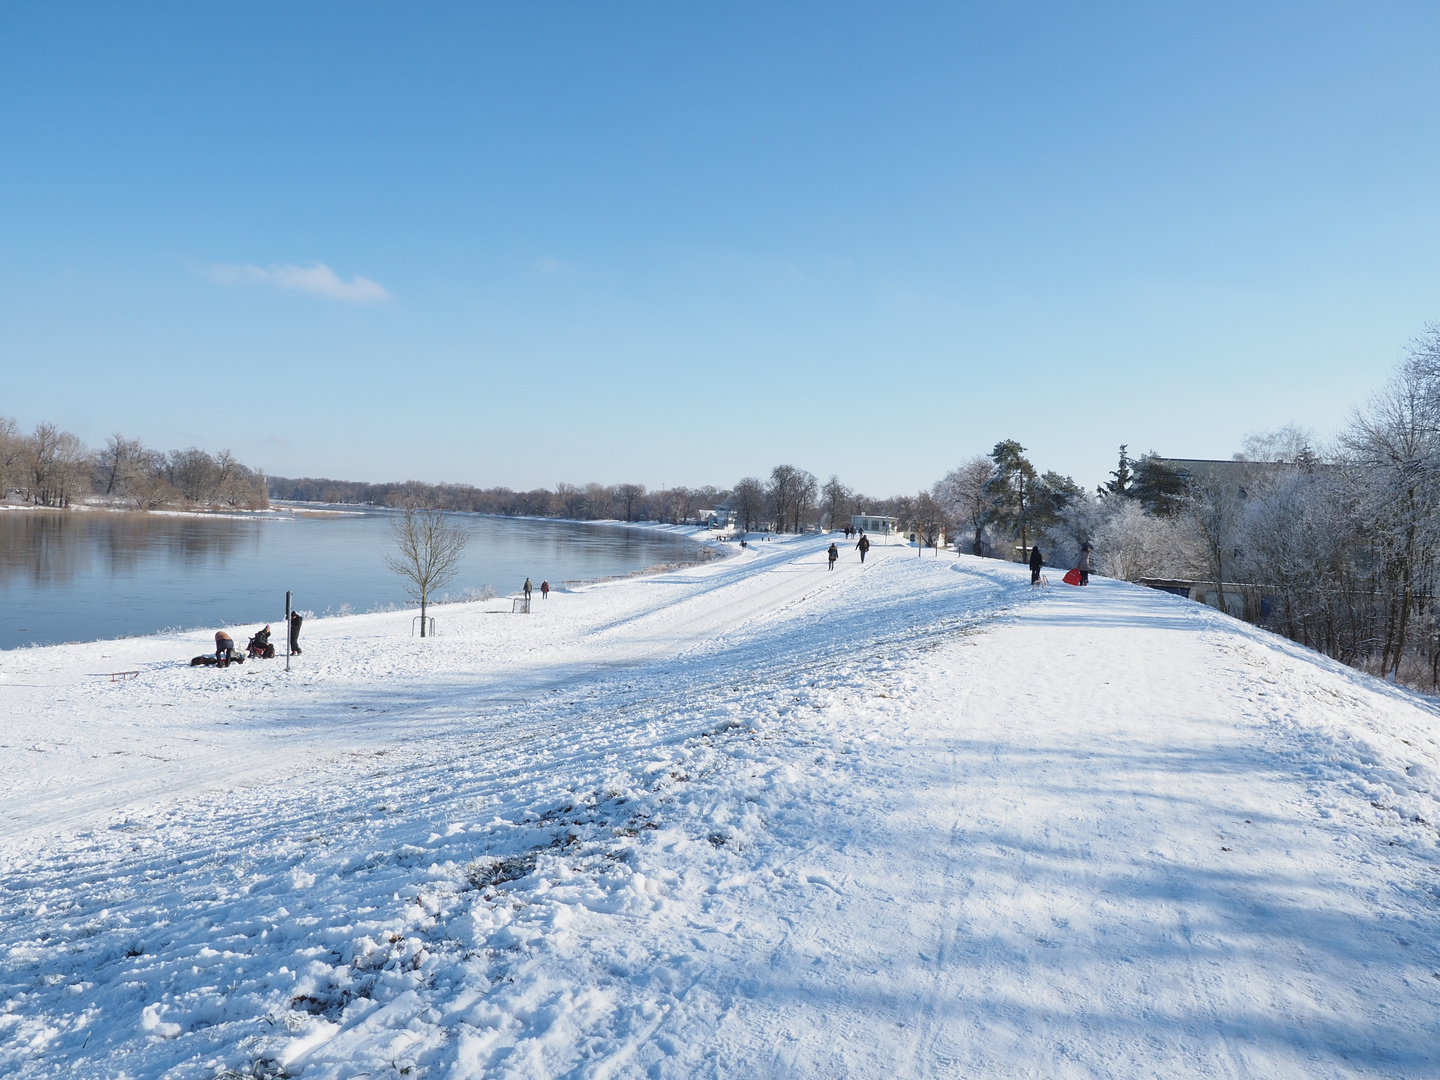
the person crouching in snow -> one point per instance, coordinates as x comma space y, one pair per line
224, 648
1037, 562
834, 554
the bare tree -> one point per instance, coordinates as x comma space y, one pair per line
54, 463
570, 500
597, 501
12, 450
791, 493
430, 546
627, 495
835, 500
806, 490
925, 517
750, 501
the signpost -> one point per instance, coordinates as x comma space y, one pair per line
287, 629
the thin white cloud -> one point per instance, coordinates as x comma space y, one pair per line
548, 265
318, 279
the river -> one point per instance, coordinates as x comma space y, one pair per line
92, 575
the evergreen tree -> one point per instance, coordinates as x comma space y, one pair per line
1011, 490
1160, 486
1121, 479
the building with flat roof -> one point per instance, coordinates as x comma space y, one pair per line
878, 524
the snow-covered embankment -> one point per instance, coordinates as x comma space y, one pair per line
753, 818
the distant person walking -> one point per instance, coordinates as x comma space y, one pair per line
834, 554
295, 620
1037, 561
527, 588
545, 590
1084, 565
864, 545
224, 647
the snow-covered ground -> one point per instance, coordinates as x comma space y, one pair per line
750, 819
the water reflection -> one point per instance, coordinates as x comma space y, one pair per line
85, 575
50, 548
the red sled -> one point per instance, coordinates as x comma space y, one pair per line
1072, 578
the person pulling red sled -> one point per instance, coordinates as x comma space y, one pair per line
1081, 574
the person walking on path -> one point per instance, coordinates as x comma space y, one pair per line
527, 589
545, 590
1036, 562
1084, 566
295, 620
224, 648
834, 554
864, 545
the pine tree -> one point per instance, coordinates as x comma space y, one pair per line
1121, 478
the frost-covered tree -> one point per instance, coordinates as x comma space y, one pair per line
963, 493
1395, 445
1130, 544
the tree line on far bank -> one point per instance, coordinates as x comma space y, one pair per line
50, 467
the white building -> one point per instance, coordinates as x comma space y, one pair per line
876, 525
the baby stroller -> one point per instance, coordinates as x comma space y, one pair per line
260, 647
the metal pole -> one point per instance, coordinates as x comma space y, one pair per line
287, 629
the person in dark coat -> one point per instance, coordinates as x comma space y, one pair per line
1037, 562
260, 646
834, 554
295, 621
527, 588
1084, 565
863, 544
545, 590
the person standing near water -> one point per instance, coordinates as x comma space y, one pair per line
295, 621
527, 588
545, 590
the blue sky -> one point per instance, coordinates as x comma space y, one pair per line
679, 243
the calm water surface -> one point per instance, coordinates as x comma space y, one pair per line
93, 575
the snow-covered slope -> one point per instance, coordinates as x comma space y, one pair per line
753, 818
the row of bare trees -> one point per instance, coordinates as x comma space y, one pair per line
791, 499
50, 467
580, 502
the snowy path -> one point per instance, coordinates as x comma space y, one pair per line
749, 819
